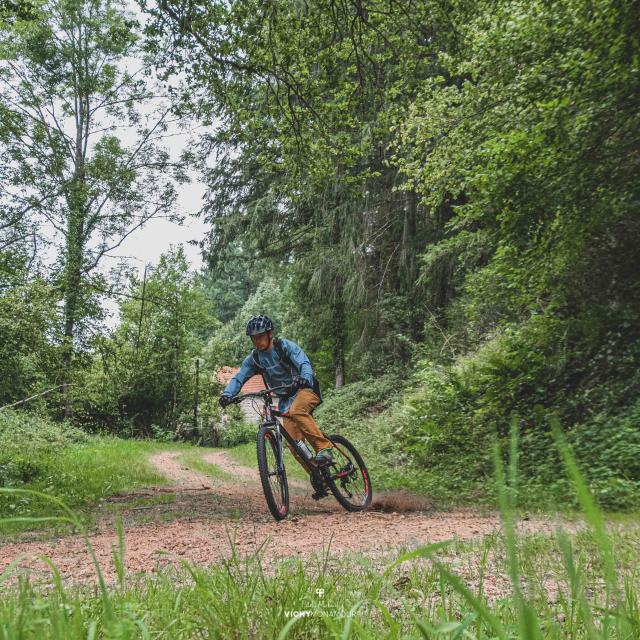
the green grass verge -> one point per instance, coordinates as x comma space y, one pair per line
193, 459
80, 475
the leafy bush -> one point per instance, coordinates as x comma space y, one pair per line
607, 448
28, 445
237, 430
577, 369
342, 407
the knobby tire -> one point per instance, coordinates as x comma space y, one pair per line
359, 480
275, 487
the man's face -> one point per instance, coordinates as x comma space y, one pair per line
262, 341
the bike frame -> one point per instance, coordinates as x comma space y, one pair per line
271, 419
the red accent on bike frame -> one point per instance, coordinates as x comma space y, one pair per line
366, 480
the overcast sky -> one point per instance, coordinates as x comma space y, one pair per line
147, 244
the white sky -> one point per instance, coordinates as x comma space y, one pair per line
147, 244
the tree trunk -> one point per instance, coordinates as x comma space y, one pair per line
339, 337
72, 283
76, 198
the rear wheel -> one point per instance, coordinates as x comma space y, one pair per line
347, 476
274, 482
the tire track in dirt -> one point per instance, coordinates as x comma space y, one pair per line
222, 460
205, 540
168, 464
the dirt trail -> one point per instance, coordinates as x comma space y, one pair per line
211, 512
248, 476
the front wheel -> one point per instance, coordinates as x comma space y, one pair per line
347, 476
274, 481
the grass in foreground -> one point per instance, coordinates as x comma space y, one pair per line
441, 591
582, 586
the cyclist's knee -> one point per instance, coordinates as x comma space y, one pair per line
299, 413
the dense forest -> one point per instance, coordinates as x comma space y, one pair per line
437, 200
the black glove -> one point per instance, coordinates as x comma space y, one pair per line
225, 399
300, 383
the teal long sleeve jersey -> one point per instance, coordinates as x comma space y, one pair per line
276, 371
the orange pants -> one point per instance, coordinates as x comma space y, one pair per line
299, 423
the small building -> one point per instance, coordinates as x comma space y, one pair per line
252, 385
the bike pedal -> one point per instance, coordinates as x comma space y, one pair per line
318, 496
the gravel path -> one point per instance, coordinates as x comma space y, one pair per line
213, 512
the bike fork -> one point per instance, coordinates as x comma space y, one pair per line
279, 448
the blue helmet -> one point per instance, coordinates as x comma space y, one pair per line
258, 325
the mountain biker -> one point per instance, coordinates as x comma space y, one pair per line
282, 362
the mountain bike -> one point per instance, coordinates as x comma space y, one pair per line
346, 477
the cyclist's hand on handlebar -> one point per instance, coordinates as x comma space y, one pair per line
300, 383
225, 399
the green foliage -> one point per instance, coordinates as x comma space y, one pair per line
606, 447
28, 354
145, 373
228, 286
301, 177
525, 146
344, 408
81, 168
28, 443
58, 459
236, 430
529, 370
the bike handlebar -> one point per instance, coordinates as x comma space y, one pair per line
260, 394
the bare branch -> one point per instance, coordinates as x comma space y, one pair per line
104, 249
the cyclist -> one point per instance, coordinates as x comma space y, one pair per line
282, 362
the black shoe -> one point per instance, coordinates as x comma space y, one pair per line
324, 456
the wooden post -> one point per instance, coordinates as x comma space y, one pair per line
195, 404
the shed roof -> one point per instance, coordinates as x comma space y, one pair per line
252, 385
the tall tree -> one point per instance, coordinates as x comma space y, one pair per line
305, 95
80, 139
145, 369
